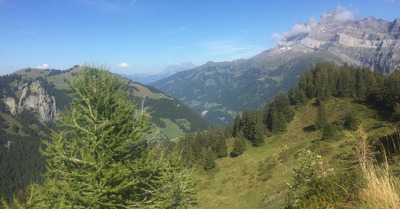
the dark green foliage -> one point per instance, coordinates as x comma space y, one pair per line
209, 160
361, 85
351, 121
253, 127
314, 184
322, 117
239, 145
297, 96
248, 122
194, 148
20, 162
220, 143
282, 104
173, 110
328, 131
184, 145
278, 113
237, 123
259, 133
332, 191
15, 128
228, 131
99, 159
324, 80
276, 121
266, 112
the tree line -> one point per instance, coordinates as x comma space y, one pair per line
204, 147
325, 80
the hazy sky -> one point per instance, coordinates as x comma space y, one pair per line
131, 36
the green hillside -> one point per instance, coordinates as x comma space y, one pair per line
257, 179
331, 148
159, 106
220, 90
21, 128
329, 143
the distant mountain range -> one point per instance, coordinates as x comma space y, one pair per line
172, 69
220, 90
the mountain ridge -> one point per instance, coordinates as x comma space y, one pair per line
338, 38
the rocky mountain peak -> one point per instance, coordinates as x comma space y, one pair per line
366, 42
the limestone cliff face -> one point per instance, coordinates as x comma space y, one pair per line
368, 42
35, 98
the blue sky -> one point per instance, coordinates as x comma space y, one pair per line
132, 36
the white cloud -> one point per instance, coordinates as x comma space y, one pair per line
124, 65
338, 15
276, 37
43, 66
299, 28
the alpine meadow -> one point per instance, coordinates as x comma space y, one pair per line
226, 119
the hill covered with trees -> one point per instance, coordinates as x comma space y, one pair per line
330, 142
325, 144
31, 102
99, 158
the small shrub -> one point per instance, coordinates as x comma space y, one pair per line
328, 131
351, 121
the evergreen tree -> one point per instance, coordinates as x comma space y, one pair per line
99, 159
184, 146
236, 125
328, 131
209, 160
239, 145
282, 104
266, 111
259, 133
276, 120
351, 121
220, 143
249, 120
361, 89
322, 117
297, 96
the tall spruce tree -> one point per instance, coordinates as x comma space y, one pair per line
239, 145
99, 159
236, 125
220, 142
322, 117
209, 160
259, 132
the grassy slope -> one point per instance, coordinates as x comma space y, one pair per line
257, 179
172, 130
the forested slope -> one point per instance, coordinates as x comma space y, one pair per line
309, 153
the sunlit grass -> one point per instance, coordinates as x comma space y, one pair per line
257, 179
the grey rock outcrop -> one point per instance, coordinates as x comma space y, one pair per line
35, 98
